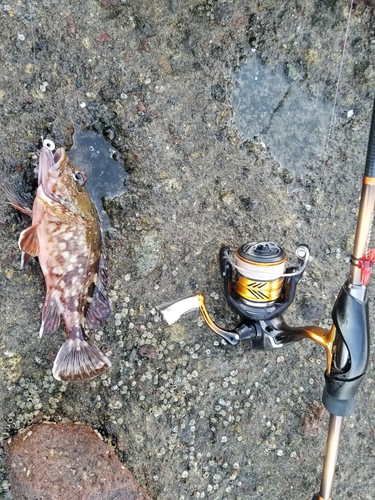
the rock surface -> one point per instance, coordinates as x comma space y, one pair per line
208, 164
66, 461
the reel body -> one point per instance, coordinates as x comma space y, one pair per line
259, 287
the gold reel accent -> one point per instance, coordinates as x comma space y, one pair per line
259, 291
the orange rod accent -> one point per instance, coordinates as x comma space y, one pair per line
369, 180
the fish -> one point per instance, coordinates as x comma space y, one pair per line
66, 236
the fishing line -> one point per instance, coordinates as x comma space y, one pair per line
36, 72
36, 68
247, 269
339, 77
332, 120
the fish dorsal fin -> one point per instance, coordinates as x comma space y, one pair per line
29, 242
18, 201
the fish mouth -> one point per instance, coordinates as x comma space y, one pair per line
49, 164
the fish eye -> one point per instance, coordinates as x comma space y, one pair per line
79, 177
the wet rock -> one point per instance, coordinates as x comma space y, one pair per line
291, 71
287, 176
218, 92
67, 461
148, 253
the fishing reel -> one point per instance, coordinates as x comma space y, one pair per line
259, 286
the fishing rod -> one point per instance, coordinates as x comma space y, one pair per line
259, 286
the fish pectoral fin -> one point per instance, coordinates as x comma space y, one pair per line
57, 216
50, 316
29, 242
99, 309
18, 201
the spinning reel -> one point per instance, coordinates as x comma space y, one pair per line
259, 287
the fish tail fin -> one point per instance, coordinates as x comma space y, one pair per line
79, 359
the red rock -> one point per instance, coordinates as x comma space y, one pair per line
104, 37
141, 108
65, 462
144, 45
240, 21
313, 422
147, 351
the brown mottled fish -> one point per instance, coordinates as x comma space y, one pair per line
66, 236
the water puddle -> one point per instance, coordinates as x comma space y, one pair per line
106, 176
271, 108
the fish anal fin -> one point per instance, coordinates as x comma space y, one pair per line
99, 309
25, 257
50, 316
28, 241
78, 359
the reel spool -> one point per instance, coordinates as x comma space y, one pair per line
258, 285
260, 272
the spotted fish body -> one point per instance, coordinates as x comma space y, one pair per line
66, 236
